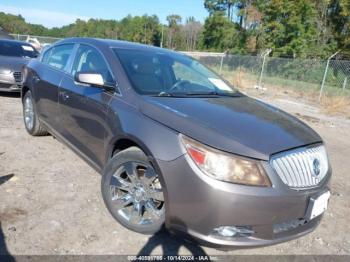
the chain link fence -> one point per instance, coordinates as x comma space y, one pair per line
304, 76
338, 75
41, 39
39, 42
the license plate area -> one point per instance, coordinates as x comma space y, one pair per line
317, 206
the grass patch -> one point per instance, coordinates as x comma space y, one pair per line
335, 100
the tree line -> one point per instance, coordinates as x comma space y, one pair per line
298, 28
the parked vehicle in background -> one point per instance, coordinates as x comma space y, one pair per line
13, 56
176, 144
39, 46
34, 42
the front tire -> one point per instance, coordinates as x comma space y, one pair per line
132, 192
30, 116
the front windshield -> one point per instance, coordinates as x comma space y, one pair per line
8, 48
163, 73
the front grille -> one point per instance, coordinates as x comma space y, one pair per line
301, 168
18, 78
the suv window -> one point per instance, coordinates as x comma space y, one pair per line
88, 59
59, 56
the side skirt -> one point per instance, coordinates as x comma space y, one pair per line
64, 141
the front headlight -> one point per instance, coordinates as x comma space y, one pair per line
224, 166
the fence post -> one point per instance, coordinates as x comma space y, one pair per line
222, 60
262, 68
345, 82
325, 75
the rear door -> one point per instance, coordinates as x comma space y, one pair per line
83, 108
55, 62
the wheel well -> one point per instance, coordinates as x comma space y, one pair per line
123, 144
25, 89
126, 143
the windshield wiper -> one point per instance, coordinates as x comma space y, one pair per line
233, 94
170, 94
211, 93
165, 94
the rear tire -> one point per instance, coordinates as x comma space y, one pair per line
132, 192
31, 120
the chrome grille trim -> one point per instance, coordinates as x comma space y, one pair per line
18, 78
296, 167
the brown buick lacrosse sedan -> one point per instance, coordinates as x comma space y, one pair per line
178, 145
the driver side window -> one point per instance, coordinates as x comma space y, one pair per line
88, 59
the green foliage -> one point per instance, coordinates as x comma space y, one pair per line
298, 28
289, 27
144, 29
174, 40
17, 25
340, 22
220, 34
223, 6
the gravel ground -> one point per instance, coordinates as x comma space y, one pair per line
50, 201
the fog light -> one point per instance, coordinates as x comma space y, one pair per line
234, 231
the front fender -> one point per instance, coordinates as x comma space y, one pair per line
155, 139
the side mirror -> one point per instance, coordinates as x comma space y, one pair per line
89, 78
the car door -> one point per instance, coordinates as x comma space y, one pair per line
84, 108
47, 80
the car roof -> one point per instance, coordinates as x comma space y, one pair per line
112, 44
15, 41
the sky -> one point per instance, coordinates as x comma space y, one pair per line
53, 13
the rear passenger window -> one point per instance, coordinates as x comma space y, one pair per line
59, 56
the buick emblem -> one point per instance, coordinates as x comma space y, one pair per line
316, 167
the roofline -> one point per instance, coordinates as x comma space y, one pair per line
112, 43
17, 41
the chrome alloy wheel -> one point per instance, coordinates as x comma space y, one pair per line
29, 113
137, 194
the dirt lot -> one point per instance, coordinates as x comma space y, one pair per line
51, 203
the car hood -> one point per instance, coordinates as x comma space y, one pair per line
239, 125
13, 63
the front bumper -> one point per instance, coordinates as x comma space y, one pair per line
197, 204
9, 84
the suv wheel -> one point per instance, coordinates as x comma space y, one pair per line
30, 117
133, 193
